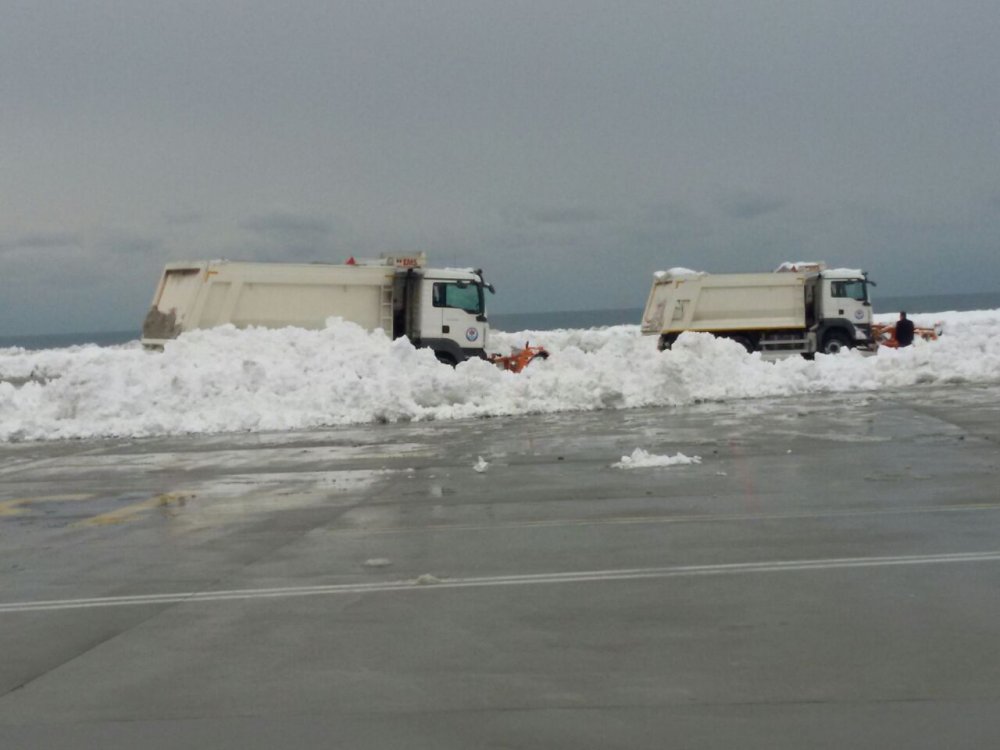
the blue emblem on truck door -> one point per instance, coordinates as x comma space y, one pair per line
471, 334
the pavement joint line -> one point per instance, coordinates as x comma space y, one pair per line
508, 580
689, 518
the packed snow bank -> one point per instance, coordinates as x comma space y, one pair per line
225, 380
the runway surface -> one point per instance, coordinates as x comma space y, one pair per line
826, 577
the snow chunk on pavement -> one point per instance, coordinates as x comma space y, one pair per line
641, 459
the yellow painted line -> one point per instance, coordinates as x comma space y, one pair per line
127, 513
19, 506
118, 516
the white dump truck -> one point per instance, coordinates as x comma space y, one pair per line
441, 309
801, 308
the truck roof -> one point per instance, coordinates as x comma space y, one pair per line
727, 279
462, 274
844, 273
789, 270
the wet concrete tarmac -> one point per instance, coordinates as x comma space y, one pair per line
827, 576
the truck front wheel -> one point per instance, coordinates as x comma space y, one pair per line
835, 342
446, 359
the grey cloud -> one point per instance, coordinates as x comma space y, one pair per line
745, 204
41, 241
570, 216
673, 220
119, 244
542, 217
285, 234
78, 259
284, 224
183, 218
543, 230
99, 280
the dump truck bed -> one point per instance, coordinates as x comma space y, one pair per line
727, 302
205, 294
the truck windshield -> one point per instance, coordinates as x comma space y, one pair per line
466, 296
854, 288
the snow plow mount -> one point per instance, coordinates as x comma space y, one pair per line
885, 333
518, 359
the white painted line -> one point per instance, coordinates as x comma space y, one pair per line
629, 574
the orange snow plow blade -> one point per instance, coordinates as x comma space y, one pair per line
520, 358
885, 334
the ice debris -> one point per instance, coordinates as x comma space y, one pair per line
641, 459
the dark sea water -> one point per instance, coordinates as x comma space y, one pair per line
545, 321
60, 340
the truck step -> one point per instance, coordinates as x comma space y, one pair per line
785, 346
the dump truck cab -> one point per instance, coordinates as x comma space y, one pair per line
451, 317
843, 310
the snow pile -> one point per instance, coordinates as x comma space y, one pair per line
226, 380
795, 266
640, 459
676, 272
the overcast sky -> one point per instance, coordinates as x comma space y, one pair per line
570, 148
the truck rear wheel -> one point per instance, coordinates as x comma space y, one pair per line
835, 342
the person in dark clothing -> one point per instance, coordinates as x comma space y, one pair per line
904, 330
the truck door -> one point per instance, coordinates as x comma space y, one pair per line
457, 307
849, 300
